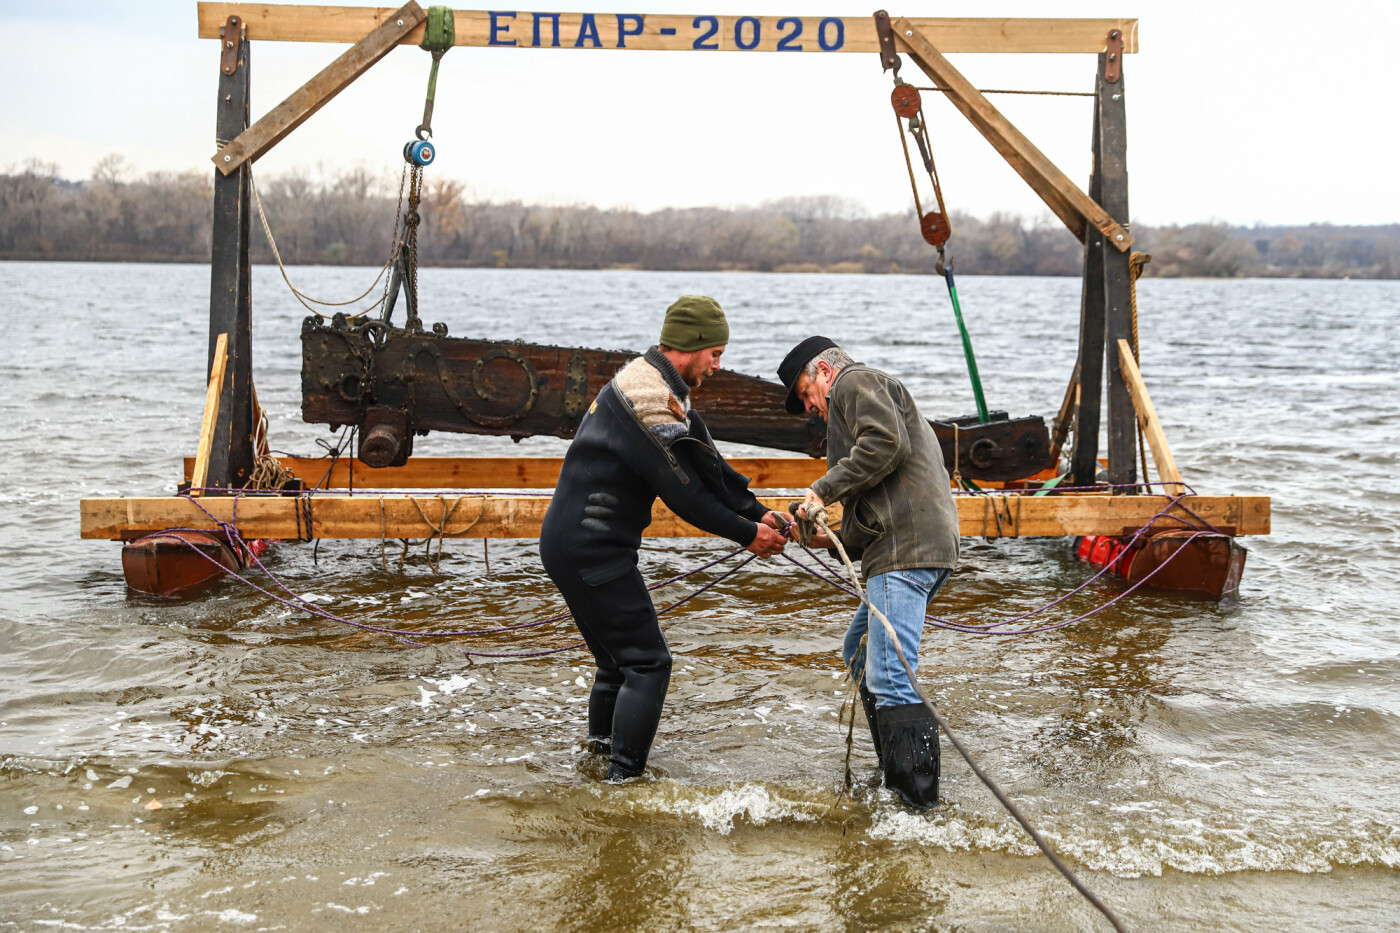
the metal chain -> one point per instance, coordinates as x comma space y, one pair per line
398, 228
415, 191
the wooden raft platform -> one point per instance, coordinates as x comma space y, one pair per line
410, 501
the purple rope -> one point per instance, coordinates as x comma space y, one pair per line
231, 530
977, 630
459, 491
988, 628
980, 626
297, 602
684, 599
1100, 487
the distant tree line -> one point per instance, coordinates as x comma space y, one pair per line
348, 219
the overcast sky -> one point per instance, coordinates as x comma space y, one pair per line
1272, 112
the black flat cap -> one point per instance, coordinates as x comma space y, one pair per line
791, 367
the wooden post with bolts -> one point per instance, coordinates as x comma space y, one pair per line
230, 280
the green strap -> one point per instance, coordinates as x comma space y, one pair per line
982, 414
432, 81
440, 33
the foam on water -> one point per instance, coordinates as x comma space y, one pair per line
1155, 843
722, 809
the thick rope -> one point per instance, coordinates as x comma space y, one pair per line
439, 530
305, 299
1136, 262
989, 90
268, 473
819, 520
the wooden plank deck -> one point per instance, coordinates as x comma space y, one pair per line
476, 515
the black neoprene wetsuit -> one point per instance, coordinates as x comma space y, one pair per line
613, 472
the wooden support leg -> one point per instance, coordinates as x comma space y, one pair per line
1084, 462
1111, 161
230, 286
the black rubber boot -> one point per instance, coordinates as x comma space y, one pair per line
909, 739
867, 700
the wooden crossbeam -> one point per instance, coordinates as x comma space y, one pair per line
519, 516
1063, 196
507, 472
1147, 419
523, 29
319, 91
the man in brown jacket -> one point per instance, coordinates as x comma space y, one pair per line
885, 467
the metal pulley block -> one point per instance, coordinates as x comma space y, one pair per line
936, 229
905, 100
419, 152
908, 105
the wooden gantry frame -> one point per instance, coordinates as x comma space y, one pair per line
394, 502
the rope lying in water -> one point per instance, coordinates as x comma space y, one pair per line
1195, 523
408, 636
820, 520
823, 571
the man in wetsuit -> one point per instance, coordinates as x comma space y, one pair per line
885, 467
640, 440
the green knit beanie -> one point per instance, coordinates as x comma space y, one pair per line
694, 322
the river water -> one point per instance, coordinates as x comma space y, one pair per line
1204, 766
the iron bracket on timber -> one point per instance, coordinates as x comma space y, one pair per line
393, 383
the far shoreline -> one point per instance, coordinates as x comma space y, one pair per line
836, 269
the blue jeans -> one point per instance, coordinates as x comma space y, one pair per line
903, 596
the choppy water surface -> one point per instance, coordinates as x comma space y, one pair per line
1206, 767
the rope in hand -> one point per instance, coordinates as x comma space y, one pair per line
819, 520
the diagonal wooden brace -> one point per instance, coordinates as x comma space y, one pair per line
257, 139
1150, 423
1070, 204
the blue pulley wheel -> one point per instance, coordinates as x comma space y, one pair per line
419, 152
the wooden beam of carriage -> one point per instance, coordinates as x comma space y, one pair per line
518, 516
1079, 212
524, 29
460, 473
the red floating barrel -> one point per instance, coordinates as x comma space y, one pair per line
1209, 564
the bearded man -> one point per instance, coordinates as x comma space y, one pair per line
639, 440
